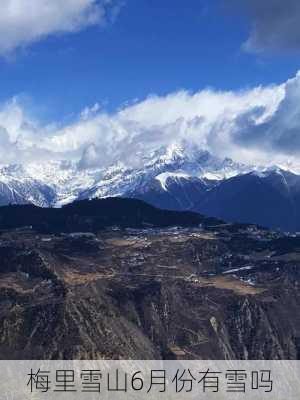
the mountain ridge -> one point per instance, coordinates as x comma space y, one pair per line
174, 177
97, 214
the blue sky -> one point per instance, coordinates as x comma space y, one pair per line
151, 47
101, 81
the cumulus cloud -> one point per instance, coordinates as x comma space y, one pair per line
275, 24
19, 134
280, 132
26, 21
204, 119
259, 125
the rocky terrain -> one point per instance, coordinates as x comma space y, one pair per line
214, 292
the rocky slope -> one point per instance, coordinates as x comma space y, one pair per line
224, 292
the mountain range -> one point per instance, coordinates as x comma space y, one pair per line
174, 178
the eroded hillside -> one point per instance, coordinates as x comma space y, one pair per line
225, 292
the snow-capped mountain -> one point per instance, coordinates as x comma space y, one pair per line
60, 182
19, 187
269, 198
174, 177
164, 166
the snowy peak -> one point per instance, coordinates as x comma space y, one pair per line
59, 182
165, 176
19, 187
193, 162
178, 168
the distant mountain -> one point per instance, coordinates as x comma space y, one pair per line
270, 199
18, 187
173, 191
60, 182
193, 166
174, 177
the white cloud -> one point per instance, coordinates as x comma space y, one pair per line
26, 21
256, 125
280, 132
